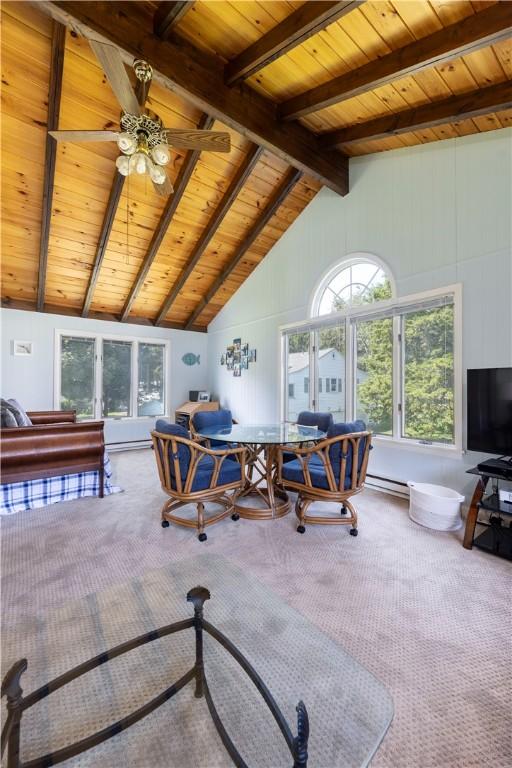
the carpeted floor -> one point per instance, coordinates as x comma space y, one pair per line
431, 620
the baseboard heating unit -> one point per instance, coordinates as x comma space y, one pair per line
387, 485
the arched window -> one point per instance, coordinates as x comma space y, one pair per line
351, 283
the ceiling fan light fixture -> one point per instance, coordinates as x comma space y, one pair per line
123, 165
160, 154
127, 143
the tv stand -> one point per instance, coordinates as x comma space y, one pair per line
501, 468
496, 538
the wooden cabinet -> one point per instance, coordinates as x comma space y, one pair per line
184, 412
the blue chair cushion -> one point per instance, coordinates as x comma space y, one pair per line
230, 473
310, 419
207, 419
164, 426
335, 450
322, 421
292, 470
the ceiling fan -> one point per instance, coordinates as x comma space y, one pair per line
144, 143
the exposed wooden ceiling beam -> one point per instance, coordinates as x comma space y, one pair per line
277, 199
472, 33
168, 15
198, 77
220, 212
472, 104
106, 228
300, 25
54, 94
184, 174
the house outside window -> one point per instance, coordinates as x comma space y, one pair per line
291, 390
306, 385
395, 363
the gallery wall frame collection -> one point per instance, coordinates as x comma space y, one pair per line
237, 357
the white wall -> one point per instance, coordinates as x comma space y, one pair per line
30, 379
437, 214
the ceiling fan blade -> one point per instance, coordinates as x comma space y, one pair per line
164, 189
112, 64
84, 135
213, 141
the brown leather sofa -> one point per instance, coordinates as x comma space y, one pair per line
56, 444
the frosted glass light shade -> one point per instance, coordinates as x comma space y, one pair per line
161, 154
123, 165
157, 174
138, 163
127, 143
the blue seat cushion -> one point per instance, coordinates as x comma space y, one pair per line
292, 470
311, 419
230, 472
164, 426
321, 421
208, 419
345, 428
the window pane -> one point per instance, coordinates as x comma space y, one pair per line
360, 283
331, 367
298, 370
117, 377
151, 386
428, 375
77, 371
374, 374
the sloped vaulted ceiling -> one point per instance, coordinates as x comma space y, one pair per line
299, 86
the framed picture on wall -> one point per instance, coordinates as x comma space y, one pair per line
22, 348
237, 371
252, 356
245, 362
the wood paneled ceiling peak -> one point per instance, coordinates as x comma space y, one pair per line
78, 240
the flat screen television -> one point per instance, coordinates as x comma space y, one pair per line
490, 410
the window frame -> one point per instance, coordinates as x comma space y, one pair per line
99, 338
314, 324
352, 259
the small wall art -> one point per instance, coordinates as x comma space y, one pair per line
23, 348
237, 357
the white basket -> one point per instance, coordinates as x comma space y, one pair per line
434, 506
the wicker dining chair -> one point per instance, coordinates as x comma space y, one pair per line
190, 473
333, 470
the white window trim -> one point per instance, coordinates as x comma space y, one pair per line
98, 341
339, 318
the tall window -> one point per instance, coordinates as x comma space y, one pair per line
391, 362
102, 377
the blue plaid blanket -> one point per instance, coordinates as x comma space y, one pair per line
30, 494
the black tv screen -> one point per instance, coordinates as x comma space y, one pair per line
490, 410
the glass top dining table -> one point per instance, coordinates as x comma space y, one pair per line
263, 434
262, 498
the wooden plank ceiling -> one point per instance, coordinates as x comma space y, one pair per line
299, 86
